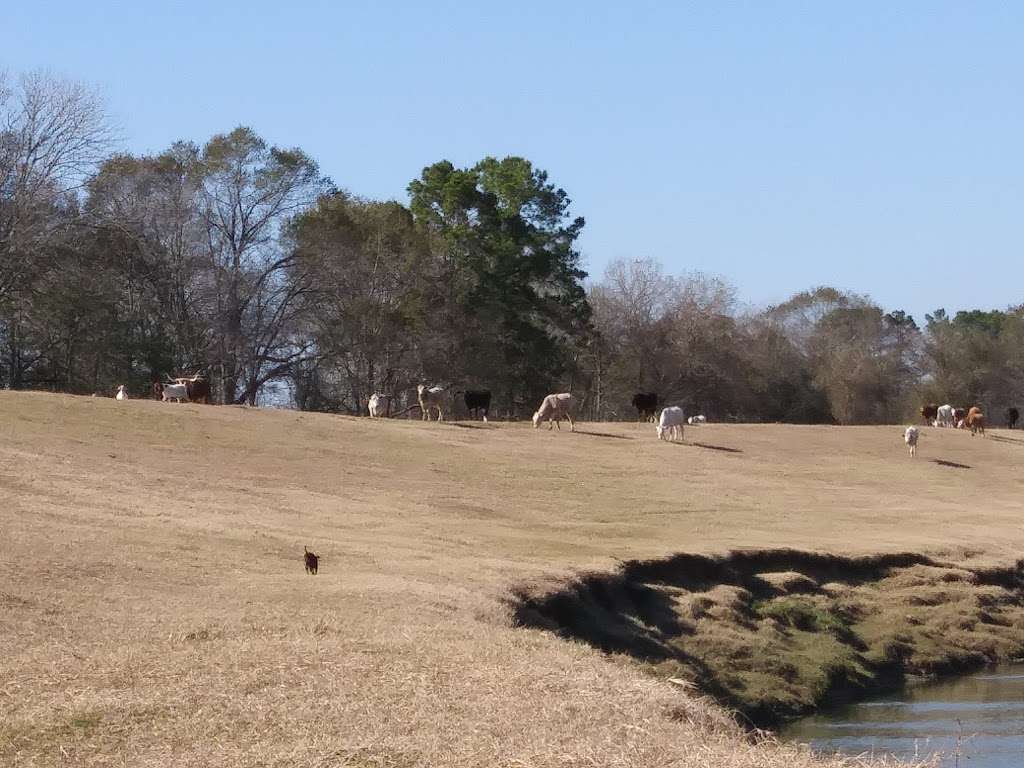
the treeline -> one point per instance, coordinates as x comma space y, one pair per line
823, 356
240, 259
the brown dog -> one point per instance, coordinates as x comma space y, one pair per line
312, 561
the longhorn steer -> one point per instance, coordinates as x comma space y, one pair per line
178, 392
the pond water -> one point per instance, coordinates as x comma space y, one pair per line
981, 715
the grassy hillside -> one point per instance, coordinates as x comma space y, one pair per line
154, 608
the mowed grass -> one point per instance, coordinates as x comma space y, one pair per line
154, 609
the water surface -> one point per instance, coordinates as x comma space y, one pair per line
980, 715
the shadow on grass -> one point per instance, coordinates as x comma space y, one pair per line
722, 448
470, 426
953, 464
604, 434
1004, 439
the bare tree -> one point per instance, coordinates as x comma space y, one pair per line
53, 133
250, 190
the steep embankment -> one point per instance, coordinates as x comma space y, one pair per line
777, 633
154, 608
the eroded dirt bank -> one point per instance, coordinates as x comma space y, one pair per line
778, 633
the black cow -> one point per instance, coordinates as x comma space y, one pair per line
929, 413
646, 404
1012, 414
478, 400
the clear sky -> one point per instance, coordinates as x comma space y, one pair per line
874, 146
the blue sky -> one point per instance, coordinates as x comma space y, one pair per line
872, 146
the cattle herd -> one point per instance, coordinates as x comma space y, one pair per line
554, 408
950, 417
963, 418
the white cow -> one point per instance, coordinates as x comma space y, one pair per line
702, 419
378, 404
121, 394
432, 397
178, 392
944, 416
554, 408
671, 423
910, 436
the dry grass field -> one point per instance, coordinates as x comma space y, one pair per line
154, 610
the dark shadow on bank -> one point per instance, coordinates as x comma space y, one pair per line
657, 611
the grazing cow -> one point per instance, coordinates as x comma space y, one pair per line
944, 416
671, 423
701, 419
646, 404
378, 404
430, 398
1012, 415
975, 420
929, 413
910, 438
478, 401
553, 409
312, 562
178, 392
121, 393
959, 414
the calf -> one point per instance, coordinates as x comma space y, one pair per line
178, 392
121, 394
478, 401
910, 438
959, 414
701, 419
553, 409
312, 562
1012, 415
671, 423
431, 398
646, 404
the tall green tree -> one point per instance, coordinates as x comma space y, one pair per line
509, 297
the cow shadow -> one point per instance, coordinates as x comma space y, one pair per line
953, 464
723, 448
470, 426
604, 434
1004, 439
